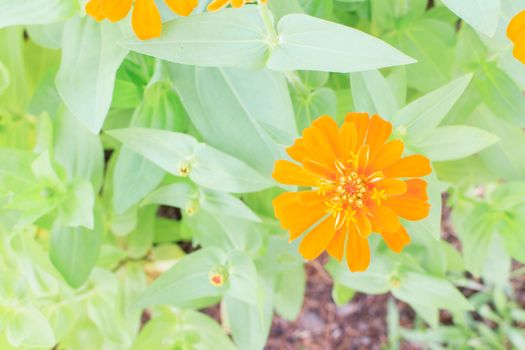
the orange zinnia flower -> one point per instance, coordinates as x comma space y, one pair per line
218, 4
145, 18
516, 33
361, 186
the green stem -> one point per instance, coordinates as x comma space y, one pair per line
268, 23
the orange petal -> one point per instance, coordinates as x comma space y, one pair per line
316, 241
182, 7
329, 127
318, 145
396, 240
336, 247
392, 187
289, 173
408, 208
298, 151
389, 154
384, 217
115, 10
519, 49
516, 27
318, 169
348, 140
362, 224
417, 188
360, 121
238, 3
296, 216
363, 157
357, 251
94, 9
217, 5
146, 19
379, 131
411, 166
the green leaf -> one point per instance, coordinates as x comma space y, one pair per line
220, 171
186, 329
419, 289
303, 46
5, 78
28, 328
375, 280
316, 103
424, 114
224, 203
24, 12
187, 283
74, 250
86, 78
341, 294
78, 150
455, 142
140, 240
480, 14
502, 157
229, 38
250, 322
260, 116
372, 94
77, 209
102, 310
290, 287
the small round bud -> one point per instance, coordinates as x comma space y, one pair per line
218, 276
185, 169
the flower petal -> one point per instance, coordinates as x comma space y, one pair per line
408, 207
392, 187
296, 216
316, 241
146, 19
389, 154
519, 49
384, 217
289, 173
336, 247
357, 251
217, 5
298, 151
516, 27
362, 223
94, 9
360, 121
348, 140
182, 7
329, 127
238, 3
412, 166
417, 188
379, 130
319, 147
396, 240
115, 10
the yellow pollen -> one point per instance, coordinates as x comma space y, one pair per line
378, 195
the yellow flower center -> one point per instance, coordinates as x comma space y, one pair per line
349, 191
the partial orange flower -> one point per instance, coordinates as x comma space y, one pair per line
516, 33
219, 4
361, 184
145, 19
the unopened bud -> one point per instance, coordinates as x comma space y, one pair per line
185, 169
218, 276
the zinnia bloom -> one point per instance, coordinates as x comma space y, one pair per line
145, 19
516, 33
218, 4
361, 182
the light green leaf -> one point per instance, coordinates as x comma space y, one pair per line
77, 209
316, 103
90, 59
5, 78
24, 12
177, 195
260, 116
419, 289
169, 150
481, 14
226, 204
303, 45
74, 250
455, 142
220, 171
229, 38
187, 283
372, 94
290, 287
375, 280
425, 113
28, 328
